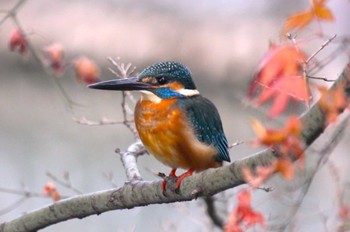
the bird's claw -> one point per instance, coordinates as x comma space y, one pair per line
173, 178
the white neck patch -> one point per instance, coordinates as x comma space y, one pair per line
188, 92
147, 95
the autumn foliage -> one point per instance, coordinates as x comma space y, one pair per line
50, 190
243, 216
318, 11
55, 56
286, 142
282, 72
86, 70
280, 77
18, 42
332, 102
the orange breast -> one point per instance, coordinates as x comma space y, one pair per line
166, 133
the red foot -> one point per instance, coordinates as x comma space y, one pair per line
164, 185
179, 179
172, 173
183, 176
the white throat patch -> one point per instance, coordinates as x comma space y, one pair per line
147, 95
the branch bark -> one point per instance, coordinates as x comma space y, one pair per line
136, 193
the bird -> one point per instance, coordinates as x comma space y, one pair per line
176, 124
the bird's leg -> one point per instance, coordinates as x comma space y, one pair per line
179, 179
183, 176
173, 174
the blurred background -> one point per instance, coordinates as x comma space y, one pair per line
221, 42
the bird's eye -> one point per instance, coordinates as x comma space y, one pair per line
161, 80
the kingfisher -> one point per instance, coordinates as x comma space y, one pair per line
176, 124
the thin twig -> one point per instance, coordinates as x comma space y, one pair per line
22, 192
131, 97
26, 194
124, 71
266, 189
69, 103
320, 65
13, 206
66, 183
109, 177
320, 78
103, 121
320, 49
235, 144
10, 13
125, 111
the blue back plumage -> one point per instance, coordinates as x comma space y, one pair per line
206, 123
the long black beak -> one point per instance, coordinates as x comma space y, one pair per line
131, 83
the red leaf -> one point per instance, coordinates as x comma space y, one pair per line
332, 102
286, 168
344, 212
86, 70
317, 11
244, 199
51, 190
286, 141
320, 11
18, 42
243, 214
269, 137
280, 76
55, 55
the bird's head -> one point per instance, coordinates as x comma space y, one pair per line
159, 81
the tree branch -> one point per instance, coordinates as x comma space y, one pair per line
142, 193
212, 211
129, 158
337, 133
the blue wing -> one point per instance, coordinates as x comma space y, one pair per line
207, 124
